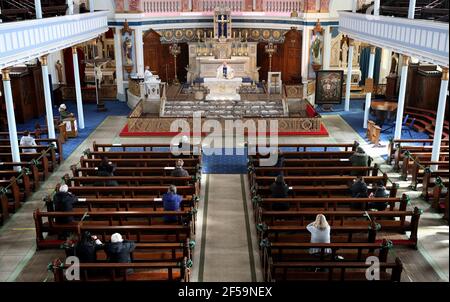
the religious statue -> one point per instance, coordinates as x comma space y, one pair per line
98, 73
316, 48
394, 64
225, 72
59, 68
128, 56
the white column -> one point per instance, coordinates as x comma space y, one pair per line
70, 7
376, 8
14, 141
412, 9
119, 67
139, 51
48, 98
91, 6
305, 59
369, 93
327, 48
76, 72
354, 5
254, 5
38, 8
349, 74
401, 98
440, 117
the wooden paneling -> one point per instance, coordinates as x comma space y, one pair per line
423, 86
158, 57
287, 59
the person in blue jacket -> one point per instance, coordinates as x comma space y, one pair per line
172, 202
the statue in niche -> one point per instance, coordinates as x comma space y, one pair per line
59, 70
344, 54
128, 47
394, 64
316, 48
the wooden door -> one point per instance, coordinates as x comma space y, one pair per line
292, 48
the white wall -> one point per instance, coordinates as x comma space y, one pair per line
337, 5
108, 5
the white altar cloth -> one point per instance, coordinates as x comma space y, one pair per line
223, 89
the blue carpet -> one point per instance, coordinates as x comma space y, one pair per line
224, 161
92, 120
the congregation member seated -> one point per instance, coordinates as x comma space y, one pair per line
28, 141
280, 162
320, 233
86, 249
359, 190
279, 189
105, 169
171, 202
380, 192
184, 146
119, 250
359, 159
179, 170
63, 201
63, 113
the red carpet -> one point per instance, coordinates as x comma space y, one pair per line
125, 133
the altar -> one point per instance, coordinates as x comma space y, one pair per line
223, 89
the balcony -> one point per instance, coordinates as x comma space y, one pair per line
285, 7
425, 40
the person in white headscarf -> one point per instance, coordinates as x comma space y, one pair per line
63, 113
119, 250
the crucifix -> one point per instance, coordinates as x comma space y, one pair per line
222, 22
98, 64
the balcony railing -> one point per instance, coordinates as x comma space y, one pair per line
425, 40
27, 40
162, 6
211, 5
285, 6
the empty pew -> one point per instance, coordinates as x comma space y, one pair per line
432, 179
152, 271
337, 271
394, 145
440, 196
406, 151
140, 147
419, 168
409, 160
9, 191
43, 144
38, 168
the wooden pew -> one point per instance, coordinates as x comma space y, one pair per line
57, 153
152, 271
144, 147
305, 147
406, 151
133, 171
386, 219
141, 231
131, 191
139, 154
136, 162
130, 180
38, 168
430, 180
315, 171
398, 143
337, 271
290, 162
439, 198
37, 133
312, 155
410, 159
281, 252
23, 181
10, 189
327, 191
419, 168
46, 159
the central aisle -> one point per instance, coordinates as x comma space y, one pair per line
228, 236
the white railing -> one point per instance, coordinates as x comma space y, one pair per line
425, 40
26, 40
284, 6
211, 5
161, 6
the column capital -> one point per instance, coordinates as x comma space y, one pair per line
44, 60
351, 42
5, 74
373, 49
74, 50
406, 60
444, 74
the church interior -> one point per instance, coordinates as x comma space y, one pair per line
224, 140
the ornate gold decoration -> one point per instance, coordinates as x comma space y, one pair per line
5, 74
74, 50
318, 28
266, 34
44, 60
373, 49
126, 28
444, 74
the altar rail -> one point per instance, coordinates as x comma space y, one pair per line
177, 6
138, 122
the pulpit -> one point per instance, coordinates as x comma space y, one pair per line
71, 127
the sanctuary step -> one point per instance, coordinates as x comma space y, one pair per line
225, 108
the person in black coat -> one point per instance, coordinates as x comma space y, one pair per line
359, 190
380, 192
86, 249
106, 166
63, 201
119, 250
279, 189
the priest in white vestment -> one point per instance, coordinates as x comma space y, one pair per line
225, 72
148, 77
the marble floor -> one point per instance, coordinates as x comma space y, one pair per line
226, 243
